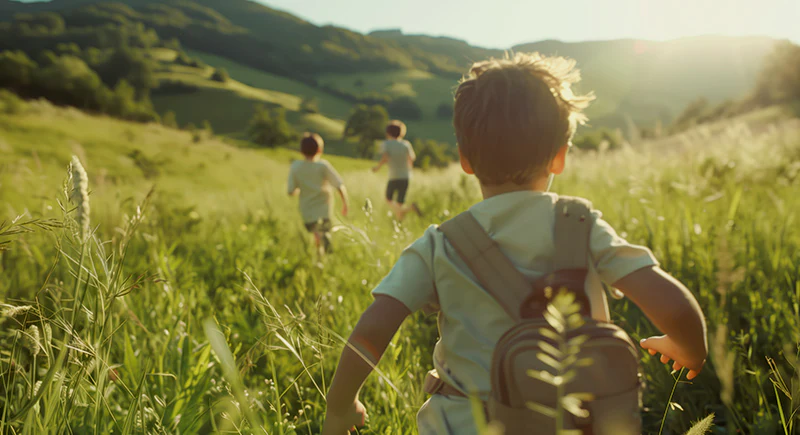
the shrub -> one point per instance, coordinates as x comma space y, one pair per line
309, 105
433, 154
600, 139
169, 120
405, 108
10, 103
269, 127
368, 124
445, 111
220, 75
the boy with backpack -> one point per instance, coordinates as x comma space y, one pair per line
490, 271
398, 154
313, 178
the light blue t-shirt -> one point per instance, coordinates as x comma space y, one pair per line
315, 180
401, 155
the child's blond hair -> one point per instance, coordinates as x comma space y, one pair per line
512, 115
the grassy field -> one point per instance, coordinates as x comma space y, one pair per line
204, 310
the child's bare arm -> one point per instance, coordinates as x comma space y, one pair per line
343, 194
370, 338
384, 160
675, 312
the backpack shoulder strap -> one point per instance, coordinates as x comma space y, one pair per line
573, 227
495, 272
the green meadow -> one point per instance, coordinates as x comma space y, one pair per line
196, 304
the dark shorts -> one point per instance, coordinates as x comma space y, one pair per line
322, 226
397, 186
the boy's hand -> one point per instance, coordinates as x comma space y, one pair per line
670, 351
346, 422
344, 209
376, 168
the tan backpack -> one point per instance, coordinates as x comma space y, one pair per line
612, 378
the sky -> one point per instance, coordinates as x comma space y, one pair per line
503, 23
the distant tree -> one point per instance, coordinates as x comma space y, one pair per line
208, 129
368, 124
445, 111
269, 128
172, 44
10, 103
197, 135
47, 22
691, 113
68, 80
779, 80
69, 48
432, 154
405, 108
16, 70
123, 102
220, 75
169, 120
600, 139
131, 66
309, 105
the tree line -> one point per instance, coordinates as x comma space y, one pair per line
778, 83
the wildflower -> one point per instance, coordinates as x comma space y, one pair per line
80, 195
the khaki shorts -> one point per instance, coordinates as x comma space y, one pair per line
442, 415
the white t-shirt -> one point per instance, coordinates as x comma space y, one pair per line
399, 152
471, 322
315, 180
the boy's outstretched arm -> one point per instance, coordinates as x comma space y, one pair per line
370, 338
675, 312
384, 160
343, 194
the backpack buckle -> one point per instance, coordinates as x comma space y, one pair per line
433, 384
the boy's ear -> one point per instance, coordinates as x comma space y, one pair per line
559, 161
465, 163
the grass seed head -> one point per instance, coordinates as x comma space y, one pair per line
80, 195
33, 340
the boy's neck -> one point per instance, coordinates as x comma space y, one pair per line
313, 158
537, 185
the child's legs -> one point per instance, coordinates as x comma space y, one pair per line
398, 188
321, 231
325, 234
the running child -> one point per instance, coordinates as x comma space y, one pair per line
514, 119
314, 178
398, 154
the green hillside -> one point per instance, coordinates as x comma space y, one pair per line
279, 59
643, 80
229, 106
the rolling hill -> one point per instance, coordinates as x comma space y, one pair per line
274, 55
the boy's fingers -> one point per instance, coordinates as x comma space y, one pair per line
651, 343
692, 374
651, 351
677, 366
664, 359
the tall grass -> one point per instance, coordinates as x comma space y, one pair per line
207, 313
